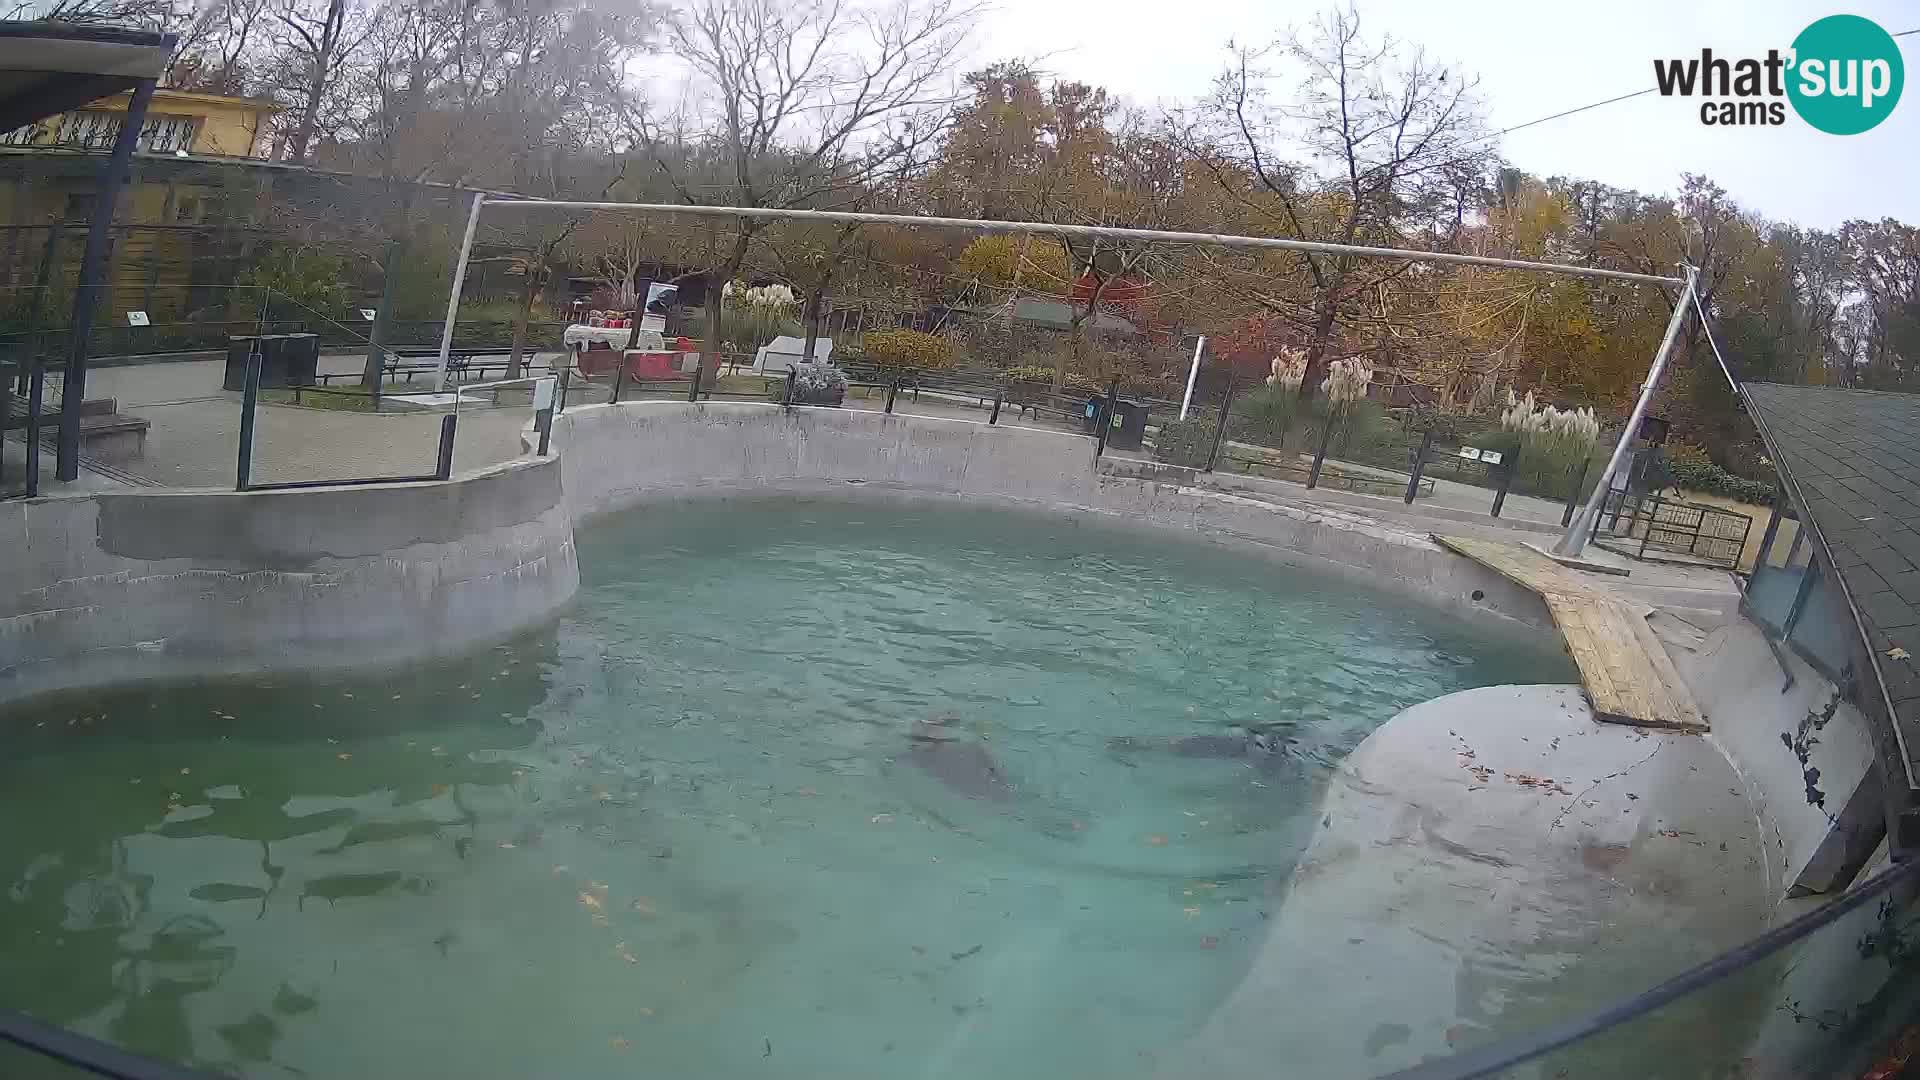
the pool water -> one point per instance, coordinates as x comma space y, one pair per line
796, 788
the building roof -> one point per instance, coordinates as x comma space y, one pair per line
1851, 461
48, 68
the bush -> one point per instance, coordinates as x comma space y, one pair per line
1184, 442
903, 349
818, 384
1711, 479
1043, 376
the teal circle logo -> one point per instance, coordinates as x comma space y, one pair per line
1846, 76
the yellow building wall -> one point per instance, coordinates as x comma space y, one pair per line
229, 126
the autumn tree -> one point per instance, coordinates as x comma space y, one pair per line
805, 103
1372, 147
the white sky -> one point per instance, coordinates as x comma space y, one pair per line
1534, 58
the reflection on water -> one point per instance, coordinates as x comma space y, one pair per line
857, 792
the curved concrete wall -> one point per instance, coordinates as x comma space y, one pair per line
618, 456
117, 586
123, 586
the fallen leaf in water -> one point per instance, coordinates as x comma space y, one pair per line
643, 905
1209, 942
1079, 826
344, 757
625, 953
621, 1044
506, 843
1207, 885
600, 920
439, 789
644, 1011
184, 772
807, 791
1898, 653
588, 900
880, 819
1157, 840
561, 869
1190, 912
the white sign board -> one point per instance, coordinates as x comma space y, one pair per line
367, 313
1470, 453
1491, 457
543, 394
137, 318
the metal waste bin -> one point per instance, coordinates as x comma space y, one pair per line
1128, 427
285, 360
1090, 417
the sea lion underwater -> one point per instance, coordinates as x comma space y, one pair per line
961, 764
1262, 748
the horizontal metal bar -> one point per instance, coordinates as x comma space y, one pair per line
1494, 1057
1090, 231
358, 481
90, 1054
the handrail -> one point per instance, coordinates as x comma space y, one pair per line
1495, 1057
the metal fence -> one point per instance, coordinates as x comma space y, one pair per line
1673, 526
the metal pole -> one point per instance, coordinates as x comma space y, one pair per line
893, 387
1220, 427
453, 295
999, 394
1574, 541
1320, 455
1573, 494
1419, 465
791, 374
982, 225
249, 400
1193, 373
36, 389
1105, 418
93, 261
619, 381
443, 467
1512, 463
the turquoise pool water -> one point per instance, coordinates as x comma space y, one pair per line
796, 789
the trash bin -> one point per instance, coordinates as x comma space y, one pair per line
1128, 427
285, 360
1090, 417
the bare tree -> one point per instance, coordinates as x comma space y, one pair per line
1389, 138
311, 45
803, 103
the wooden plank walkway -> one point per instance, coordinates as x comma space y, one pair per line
1629, 677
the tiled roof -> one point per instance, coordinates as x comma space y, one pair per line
1851, 459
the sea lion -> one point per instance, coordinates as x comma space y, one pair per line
1235, 745
961, 764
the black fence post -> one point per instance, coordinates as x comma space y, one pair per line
249, 400
999, 394
1512, 463
560, 396
1220, 426
1320, 454
543, 423
1653, 516
36, 391
1105, 418
619, 382
792, 375
893, 387
1419, 465
1573, 498
443, 468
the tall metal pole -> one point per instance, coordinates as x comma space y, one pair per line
1192, 374
453, 296
73, 385
1574, 541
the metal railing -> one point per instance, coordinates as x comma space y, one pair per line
1677, 527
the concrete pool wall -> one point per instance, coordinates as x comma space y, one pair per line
123, 586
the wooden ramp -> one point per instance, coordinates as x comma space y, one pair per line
1628, 675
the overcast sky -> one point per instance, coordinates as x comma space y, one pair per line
1534, 58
